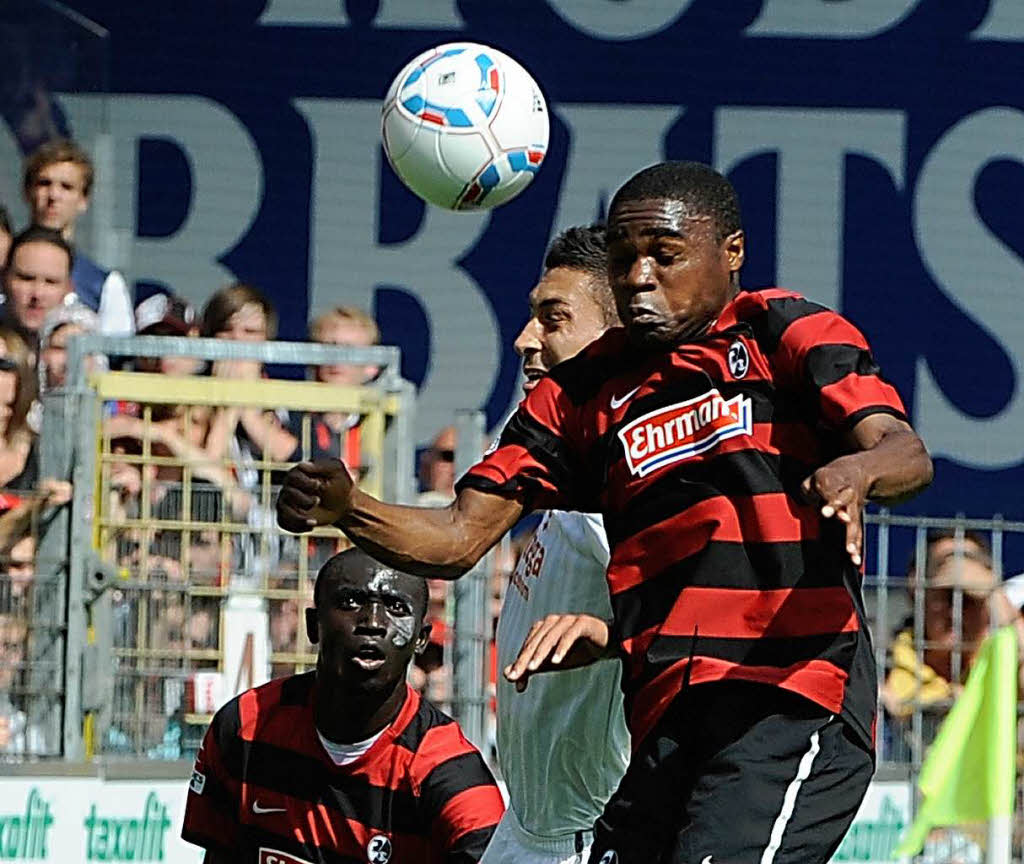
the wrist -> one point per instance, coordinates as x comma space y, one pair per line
356, 500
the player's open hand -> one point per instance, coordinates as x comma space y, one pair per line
563, 641
314, 493
841, 488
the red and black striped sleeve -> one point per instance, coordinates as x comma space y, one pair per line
211, 811
460, 797
825, 357
535, 454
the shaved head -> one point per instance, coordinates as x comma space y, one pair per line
354, 563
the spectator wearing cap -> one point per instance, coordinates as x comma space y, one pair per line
167, 315
60, 324
57, 185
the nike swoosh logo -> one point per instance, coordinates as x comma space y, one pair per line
258, 810
618, 402
706, 860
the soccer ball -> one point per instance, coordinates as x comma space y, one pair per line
465, 126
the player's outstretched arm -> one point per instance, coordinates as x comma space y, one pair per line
439, 542
559, 641
890, 464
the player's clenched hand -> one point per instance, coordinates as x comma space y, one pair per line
314, 493
562, 641
841, 488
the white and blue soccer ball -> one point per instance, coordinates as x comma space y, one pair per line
465, 126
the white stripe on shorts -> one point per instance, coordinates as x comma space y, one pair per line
803, 771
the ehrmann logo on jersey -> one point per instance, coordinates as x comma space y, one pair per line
679, 431
23, 835
118, 838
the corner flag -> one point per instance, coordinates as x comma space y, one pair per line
969, 772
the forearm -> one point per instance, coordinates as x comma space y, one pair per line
222, 428
897, 467
439, 543
276, 444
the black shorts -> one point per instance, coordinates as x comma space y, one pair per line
736, 773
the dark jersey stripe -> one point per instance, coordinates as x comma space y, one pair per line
722, 565
827, 364
451, 777
582, 377
835, 648
769, 325
470, 846
427, 717
541, 443
305, 779
298, 689
857, 416
744, 473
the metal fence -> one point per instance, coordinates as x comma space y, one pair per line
180, 589
934, 588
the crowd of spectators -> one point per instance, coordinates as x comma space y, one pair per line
52, 291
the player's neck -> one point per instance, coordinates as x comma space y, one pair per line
347, 714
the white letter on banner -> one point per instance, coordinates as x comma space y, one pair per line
412, 14
619, 19
304, 13
811, 147
980, 274
419, 15
227, 183
1004, 22
608, 144
10, 177
848, 19
347, 263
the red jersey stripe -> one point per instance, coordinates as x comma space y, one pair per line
769, 518
438, 746
467, 811
818, 680
846, 396
733, 613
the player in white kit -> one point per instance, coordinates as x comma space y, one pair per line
562, 741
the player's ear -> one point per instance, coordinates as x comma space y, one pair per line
312, 625
735, 250
423, 639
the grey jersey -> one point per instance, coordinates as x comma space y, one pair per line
562, 744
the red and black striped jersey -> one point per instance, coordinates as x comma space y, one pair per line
264, 790
719, 569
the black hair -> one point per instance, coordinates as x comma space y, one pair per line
585, 248
5, 221
701, 189
39, 234
356, 558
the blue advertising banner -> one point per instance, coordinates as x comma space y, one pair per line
877, 146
